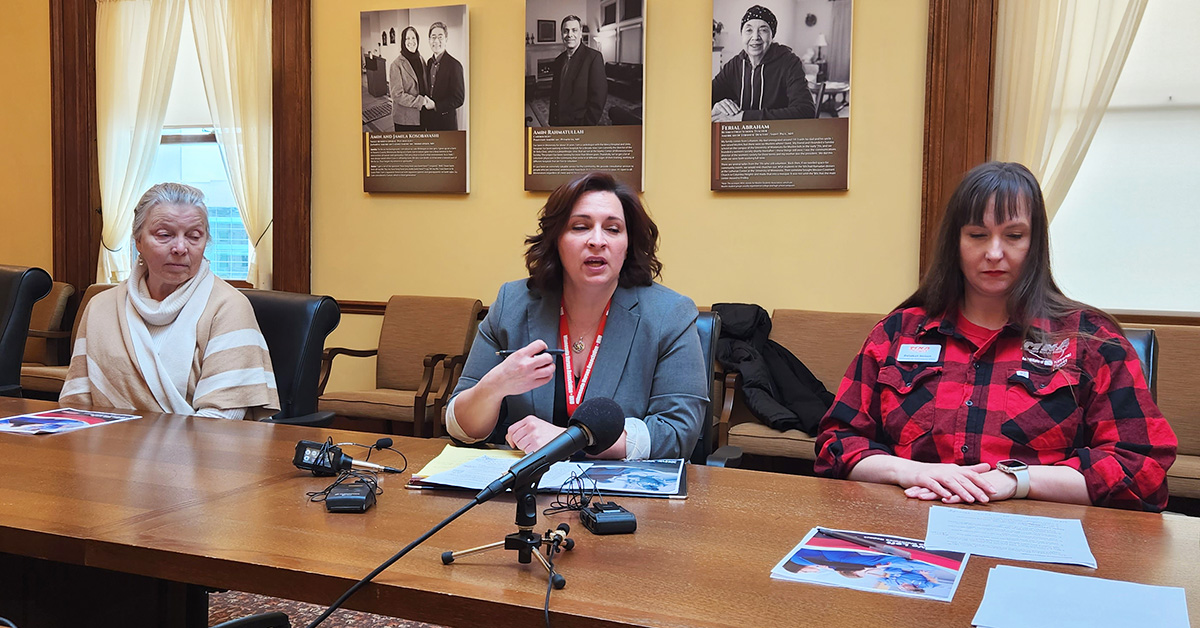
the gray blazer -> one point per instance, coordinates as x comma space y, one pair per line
661, 382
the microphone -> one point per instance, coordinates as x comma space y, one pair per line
595, 426
325, 459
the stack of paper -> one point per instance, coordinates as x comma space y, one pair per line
1003, 535
1017, 597
472, 468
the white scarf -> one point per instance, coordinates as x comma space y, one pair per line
165, 359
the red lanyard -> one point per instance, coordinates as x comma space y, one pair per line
575, 391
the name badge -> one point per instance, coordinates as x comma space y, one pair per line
919, 353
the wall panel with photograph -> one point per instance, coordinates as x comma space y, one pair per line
415, 67
781, 94
583, 90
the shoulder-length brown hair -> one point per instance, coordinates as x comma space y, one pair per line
641, 265
1035, 294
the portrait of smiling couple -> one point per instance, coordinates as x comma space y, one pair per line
417, 80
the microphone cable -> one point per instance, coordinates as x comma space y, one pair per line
366, 477
550, 552
578, 495
380, 445
389, 562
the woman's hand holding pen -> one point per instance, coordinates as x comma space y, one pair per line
522, 371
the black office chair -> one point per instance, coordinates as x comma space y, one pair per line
263, 620
1145, 342
709, 326
295, 327
20, 288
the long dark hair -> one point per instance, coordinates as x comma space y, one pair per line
1035, 295
414, 59
541, 258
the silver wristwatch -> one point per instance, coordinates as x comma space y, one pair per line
1018, 470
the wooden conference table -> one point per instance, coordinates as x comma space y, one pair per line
218, 503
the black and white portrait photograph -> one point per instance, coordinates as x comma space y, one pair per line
583, 62
780, 60
416, 80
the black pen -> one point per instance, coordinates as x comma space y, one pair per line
879, 547
507, 352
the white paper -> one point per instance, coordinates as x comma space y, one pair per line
1003, 535
560, 472
478, 473
1015, 596
474, 474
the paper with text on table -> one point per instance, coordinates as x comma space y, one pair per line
1019, 597
1004, 535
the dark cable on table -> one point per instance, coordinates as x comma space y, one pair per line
578, 495
380, 445
370, 478
550, 552
366, 477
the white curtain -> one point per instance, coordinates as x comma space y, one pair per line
233, 42
137, 42
1057, 62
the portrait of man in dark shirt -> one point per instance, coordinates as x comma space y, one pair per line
447, 89
580, 88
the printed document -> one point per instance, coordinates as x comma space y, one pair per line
1017, 597
1004, 535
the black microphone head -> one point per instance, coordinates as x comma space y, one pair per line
604, 420
383, 443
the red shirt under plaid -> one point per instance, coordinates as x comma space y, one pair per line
1080, 400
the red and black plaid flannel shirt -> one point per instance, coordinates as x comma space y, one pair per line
1082, 403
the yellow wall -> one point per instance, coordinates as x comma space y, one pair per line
850, 251
25, 158
844, 251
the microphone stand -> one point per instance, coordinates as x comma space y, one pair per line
525, 541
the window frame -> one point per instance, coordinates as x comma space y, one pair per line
75, 177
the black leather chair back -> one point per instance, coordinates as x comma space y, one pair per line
295, 327
1145, 342
709, 326
20, 288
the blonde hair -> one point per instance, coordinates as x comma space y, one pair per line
169, 193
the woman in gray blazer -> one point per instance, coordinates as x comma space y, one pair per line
591, 298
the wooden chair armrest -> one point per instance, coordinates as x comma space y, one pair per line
733, 380
329, 354
452, 367
42, 333
422, 422
432, 361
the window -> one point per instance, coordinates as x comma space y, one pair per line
189, 153
1124, 237
608, 14
192, 156
631, 9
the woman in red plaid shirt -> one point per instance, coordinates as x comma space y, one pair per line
989, 384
